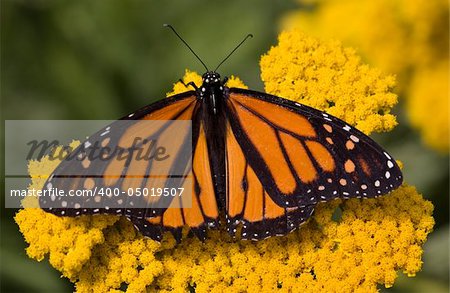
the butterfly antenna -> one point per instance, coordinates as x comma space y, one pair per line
175, 32
248, 36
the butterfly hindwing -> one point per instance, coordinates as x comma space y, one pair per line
249, 203
198, 212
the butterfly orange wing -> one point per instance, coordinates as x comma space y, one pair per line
150, 215
284, 157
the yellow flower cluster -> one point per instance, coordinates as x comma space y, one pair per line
347, 246
407, 38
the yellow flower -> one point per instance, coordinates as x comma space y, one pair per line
351, 245
430, 90
407, 38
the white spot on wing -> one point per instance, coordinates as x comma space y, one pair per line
354, 138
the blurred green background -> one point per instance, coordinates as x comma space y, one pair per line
103, 59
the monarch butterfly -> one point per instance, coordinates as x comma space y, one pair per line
261, 161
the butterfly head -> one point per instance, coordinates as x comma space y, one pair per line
212, 84
212, 91
211, 78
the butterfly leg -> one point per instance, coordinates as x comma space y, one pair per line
189, 84
224, 80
